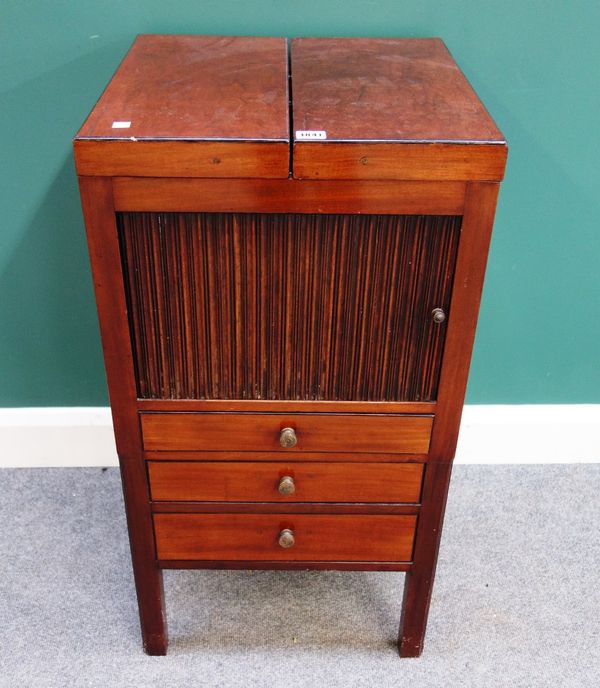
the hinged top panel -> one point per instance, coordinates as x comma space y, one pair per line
388, 108
196, 88
226, 95
385, 89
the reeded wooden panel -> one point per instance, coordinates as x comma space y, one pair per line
315, 307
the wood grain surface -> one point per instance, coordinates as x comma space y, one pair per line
366, 508
176, 158
290, 196
401, 161
254, 537
103, 244
195, 106
308, 456
259, 482
315, 432
388, 108
279, 405
196, 88
471, 261
270, 564
385, 89
305, 307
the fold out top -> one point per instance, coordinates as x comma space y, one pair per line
363, 108
388, 108
226, 95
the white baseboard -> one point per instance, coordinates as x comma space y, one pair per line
540, 433
61, 436
32, 437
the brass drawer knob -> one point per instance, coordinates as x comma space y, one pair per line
286, 538
286, 485
438, 315
287, 438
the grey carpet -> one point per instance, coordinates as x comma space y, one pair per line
516, 602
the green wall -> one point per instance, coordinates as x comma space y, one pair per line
536, 65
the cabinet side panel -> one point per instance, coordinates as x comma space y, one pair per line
103, 243
287, 306
480, 207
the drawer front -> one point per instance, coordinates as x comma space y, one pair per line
263, 432
280, 482
254, 537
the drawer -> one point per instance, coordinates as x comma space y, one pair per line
262, 537
301, 432
247, 481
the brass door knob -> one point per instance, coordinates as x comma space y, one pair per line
286, 538
286, 485
438, 315
287, 438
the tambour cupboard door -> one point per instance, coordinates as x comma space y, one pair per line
287, 306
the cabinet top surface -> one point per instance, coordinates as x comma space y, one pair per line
385, 89
362, 108
196, 88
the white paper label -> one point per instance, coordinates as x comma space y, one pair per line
121, 125
308, 135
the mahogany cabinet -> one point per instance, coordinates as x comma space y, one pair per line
288, 244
